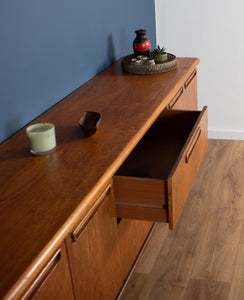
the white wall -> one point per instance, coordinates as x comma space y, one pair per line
212, 30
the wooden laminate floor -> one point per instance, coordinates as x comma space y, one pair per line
203, 258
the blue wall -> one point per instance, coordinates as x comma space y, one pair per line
48, 48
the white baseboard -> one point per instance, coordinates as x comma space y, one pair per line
226, 134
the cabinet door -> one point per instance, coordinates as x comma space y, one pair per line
94, 254
132, 235
54, 281
186, 96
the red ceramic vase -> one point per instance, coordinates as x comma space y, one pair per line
141, 43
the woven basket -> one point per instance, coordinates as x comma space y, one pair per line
148, 69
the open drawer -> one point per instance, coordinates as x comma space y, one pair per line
154, 181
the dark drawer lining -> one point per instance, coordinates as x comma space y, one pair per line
155, 155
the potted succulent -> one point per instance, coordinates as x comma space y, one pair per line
160, 55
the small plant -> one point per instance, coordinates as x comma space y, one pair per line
160, 55
159, 50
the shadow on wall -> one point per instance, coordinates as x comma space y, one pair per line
124, 43
110, 55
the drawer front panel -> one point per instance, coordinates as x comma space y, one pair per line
143, 191
181, 179
141, 199
163, 199
186, 97
140, 212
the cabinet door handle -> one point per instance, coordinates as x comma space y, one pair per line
78, 230
42, 276
176, 98
193, 144
190, 78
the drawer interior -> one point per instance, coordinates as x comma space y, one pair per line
161, 147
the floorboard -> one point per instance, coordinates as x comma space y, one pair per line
207, 289
203, 258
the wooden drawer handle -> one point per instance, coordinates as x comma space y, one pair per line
78, 230
193, 144
190, 78
176, 98
42, 276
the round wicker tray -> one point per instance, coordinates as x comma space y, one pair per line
148, 69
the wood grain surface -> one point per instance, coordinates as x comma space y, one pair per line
203, 257
42, 197
54, 282
185, 98
95, 255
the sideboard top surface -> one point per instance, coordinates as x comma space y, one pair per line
43, 196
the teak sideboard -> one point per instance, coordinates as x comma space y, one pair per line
74, 222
